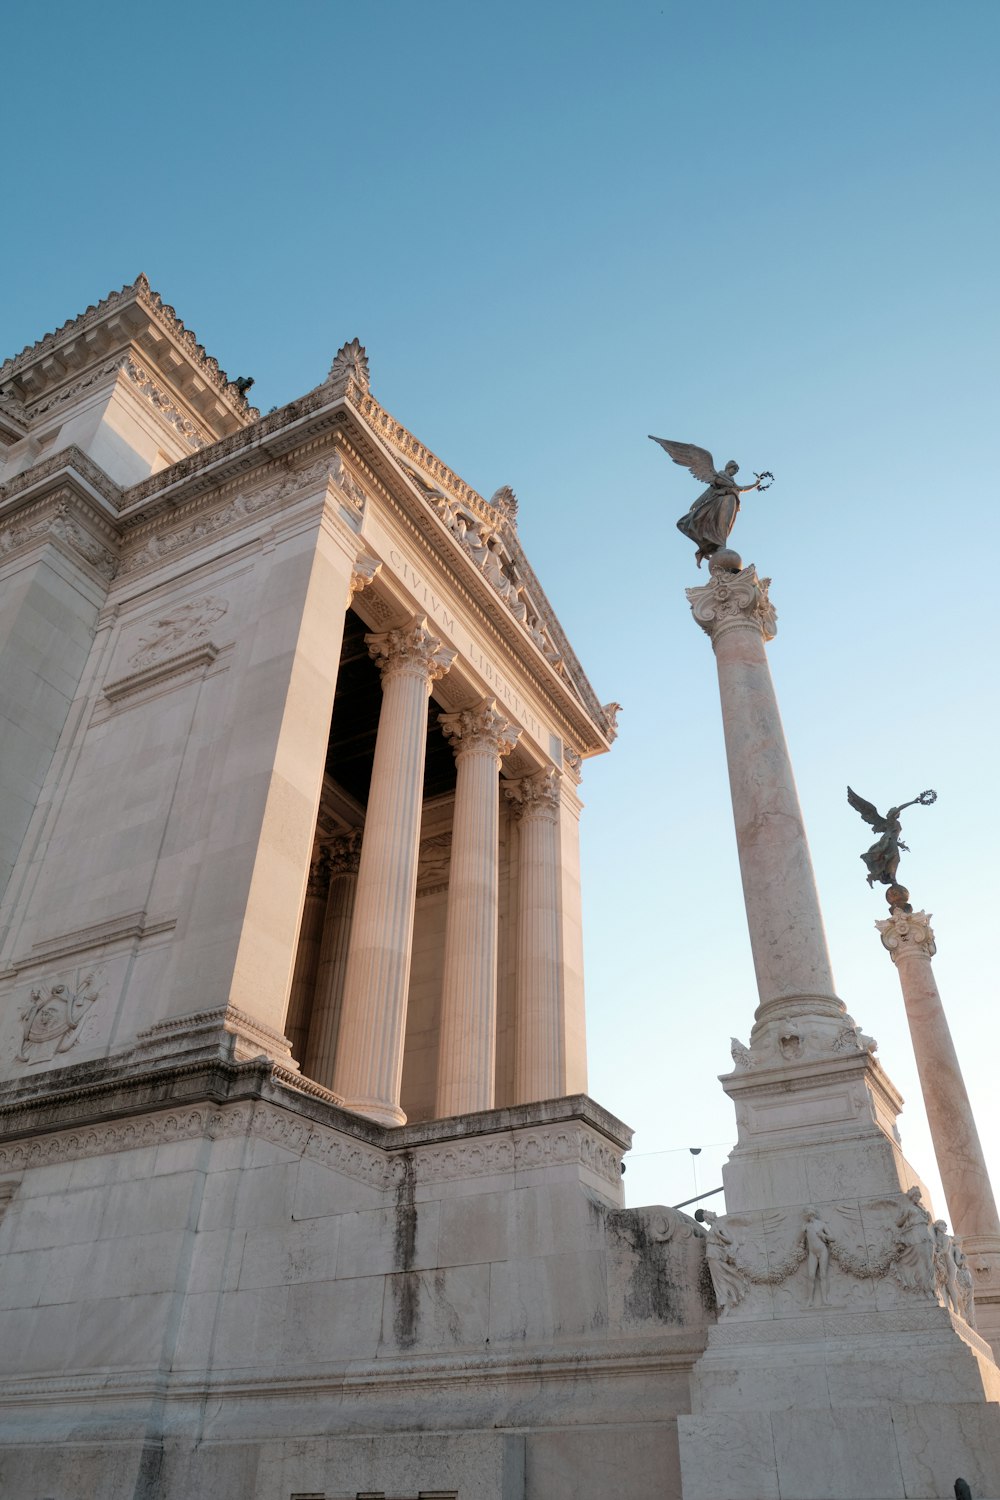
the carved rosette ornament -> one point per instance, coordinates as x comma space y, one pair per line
734, 601
410, 651
535, 796
482, 730
908, 932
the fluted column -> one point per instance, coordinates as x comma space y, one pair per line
971, 1204
343, 857
369, 1061
480, 737
540, 1044
300, 995
794, 976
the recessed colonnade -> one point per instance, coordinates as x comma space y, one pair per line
348, 1004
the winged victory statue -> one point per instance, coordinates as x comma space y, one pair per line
711, 517
882, 859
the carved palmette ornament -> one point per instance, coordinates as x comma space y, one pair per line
350, 363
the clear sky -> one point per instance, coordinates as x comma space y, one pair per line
768, 228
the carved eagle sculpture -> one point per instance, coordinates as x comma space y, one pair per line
711, 517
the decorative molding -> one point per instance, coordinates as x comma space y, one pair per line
480, 730
129, 925
58, 524
162, 403
246, 1037
413, 650
185, 666
72, 459
734, 601
905, 934
366, 570
535, 796
342, 480
172, 538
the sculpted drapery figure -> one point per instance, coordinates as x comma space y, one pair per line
882, 859
711, 517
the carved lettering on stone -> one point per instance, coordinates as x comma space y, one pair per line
52, 1018
180, 628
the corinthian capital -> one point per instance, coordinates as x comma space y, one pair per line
535, 796
344, 853
734, 601
907, 932
410, 651
480, 730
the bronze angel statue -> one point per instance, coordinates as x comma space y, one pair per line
882, 858
711, 517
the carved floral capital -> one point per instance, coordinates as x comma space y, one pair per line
907, 932
410, 651
734, 601
344, 853
480, 730
535, 796
366, 570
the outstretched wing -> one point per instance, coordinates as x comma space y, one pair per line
690, 456
868, 811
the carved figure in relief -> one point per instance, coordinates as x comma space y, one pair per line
728, 1280
185, 625
713, 515
882, 859
818, 1241
945, 1270
52, 1018
915, 1246
964, 1284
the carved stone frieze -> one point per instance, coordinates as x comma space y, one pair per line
480, 730
54, 1014
734, 601
58, 521
906, 933
164, 406
412, 649
874, 1240
64, 459
180, 628
535, 796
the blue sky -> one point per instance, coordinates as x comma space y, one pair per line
767, 228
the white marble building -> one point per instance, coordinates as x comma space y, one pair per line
301, 1194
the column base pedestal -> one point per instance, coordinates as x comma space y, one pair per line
375, 1109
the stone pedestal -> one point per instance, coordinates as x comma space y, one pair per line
467, 1060
373, 1018
909, 939
844, 1365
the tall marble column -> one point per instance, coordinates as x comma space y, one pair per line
794, 976
540, 1050
369, 1062
343, 856
480, 737
307, 952
971, 1204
